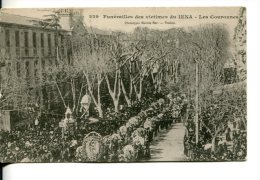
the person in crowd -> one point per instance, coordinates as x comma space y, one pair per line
43, 142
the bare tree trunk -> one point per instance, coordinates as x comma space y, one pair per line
116, 105
131, 83
139, 93
154, 80
128, 96
99, 107
213, 144
77, 108
73, 89
140, 89
216, 132
159, 81
98, 101
116, 92
57, 86
128, 101
131, 92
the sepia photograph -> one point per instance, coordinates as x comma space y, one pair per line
122, 85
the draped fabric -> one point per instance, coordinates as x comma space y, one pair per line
5, 120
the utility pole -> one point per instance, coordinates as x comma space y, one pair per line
197, 59
197, 102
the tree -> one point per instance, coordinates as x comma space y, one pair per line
52, 21
158, 59
221, 110
92, 64
17, 88
209, 46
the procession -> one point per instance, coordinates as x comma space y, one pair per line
117, 141
71, 92
105, 141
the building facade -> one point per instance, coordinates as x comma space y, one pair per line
240, 45
27, 49
28, 46
235, 68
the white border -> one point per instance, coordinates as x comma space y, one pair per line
191, 171
120, 3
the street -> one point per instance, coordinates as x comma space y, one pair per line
74, 91
168, 145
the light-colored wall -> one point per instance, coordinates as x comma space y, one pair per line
31, 58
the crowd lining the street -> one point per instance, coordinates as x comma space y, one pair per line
230, 143
122, 141
125, 140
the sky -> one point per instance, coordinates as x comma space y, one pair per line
128, 24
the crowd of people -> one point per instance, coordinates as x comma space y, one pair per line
122, 140
234, 150
223, 139
126, 136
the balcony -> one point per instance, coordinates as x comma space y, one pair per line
26, 52
34, 52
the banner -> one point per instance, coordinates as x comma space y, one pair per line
5, 120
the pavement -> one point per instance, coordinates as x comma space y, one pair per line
168, 145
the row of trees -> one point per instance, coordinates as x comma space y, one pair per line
127, 68
130, 67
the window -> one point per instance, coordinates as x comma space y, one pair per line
26, 44
34, 43
9, 69
17, 43
36, 70
42, 70
179, 69
49, 44
27, 68
17, 38
18, 69
34, 40
61, 40
42, 44
50, 62
7, 37
55, 43
55, 40
27, 71
7, 40
43, 64
62, 44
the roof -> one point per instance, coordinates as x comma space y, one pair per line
19, 20
35, 22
